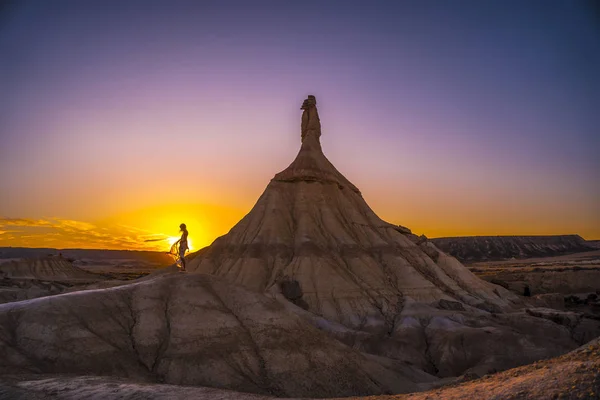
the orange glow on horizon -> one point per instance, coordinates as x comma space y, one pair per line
111, 138
204, 223
157, 228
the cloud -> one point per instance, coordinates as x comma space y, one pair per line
23, 222
155, 240
66, 233
134, 229
75, 225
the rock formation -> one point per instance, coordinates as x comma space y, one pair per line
190, 330
47, 268
575, 375
311, 124
312, 239
539, 280
90, 256
311, 226
31, 278
489, 248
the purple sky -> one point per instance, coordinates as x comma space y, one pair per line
462, 117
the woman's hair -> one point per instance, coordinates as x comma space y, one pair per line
182, 226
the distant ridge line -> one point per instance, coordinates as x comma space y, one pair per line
508, 236
496, 248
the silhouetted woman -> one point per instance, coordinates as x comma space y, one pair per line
183, 245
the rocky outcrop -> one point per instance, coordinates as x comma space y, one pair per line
91, 256
190, 330
593, 243
24, 289
546, 280
549, 300
46, 268
45, 276
488, 248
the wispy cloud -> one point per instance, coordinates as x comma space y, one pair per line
75, 225
155, 240
134, 229
5, 221
71, 233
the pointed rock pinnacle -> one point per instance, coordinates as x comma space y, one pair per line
310, 164
311, 124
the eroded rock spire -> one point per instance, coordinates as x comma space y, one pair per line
310, 164
311, 124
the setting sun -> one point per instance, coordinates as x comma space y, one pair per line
173, 239
157, 227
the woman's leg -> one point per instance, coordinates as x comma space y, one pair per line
182, 258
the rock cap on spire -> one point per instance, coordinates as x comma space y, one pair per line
310, 164
311, 124
311, 100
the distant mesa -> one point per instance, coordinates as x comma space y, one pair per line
45, 268
43, 276
495, 248
158, 258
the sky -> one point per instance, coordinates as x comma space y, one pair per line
119, 120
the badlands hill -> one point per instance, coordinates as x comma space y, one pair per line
91, 256
191, 330
492, 248
594, 243
311, 239
44, 268
23, 279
